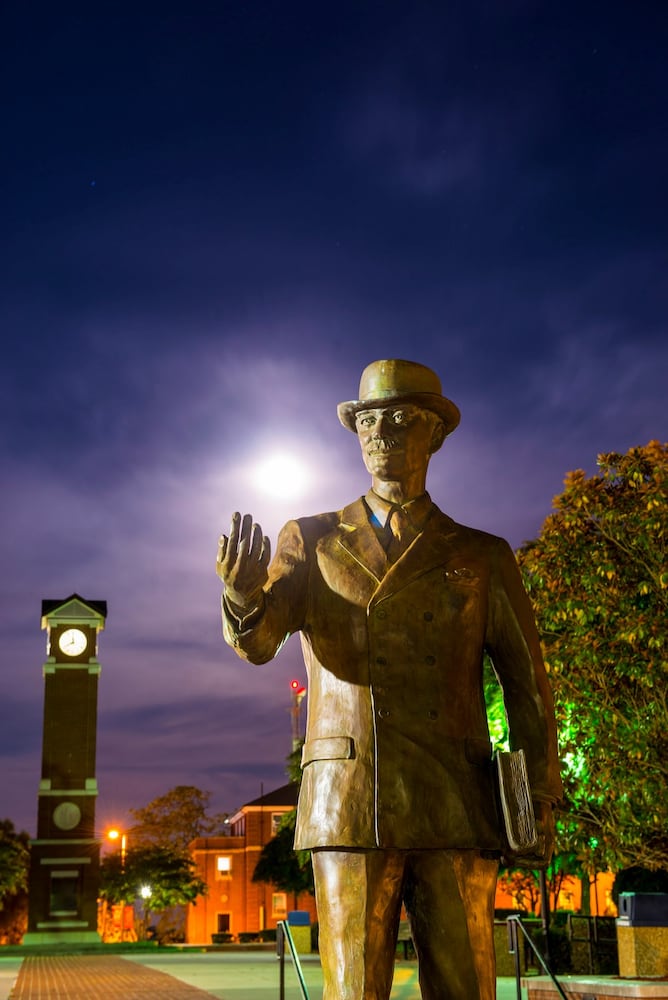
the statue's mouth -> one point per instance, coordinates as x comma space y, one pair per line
382, 445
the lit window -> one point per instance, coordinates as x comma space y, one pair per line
279, 904
275, 822
224, 865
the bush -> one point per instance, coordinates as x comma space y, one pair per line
638, 879
560, 948
221, 938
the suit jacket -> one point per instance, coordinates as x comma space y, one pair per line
397, 750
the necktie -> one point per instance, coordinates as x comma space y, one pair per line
402, 534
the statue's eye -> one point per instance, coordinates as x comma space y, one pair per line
367, 420
399, 417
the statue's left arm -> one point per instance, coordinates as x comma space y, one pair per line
514, 646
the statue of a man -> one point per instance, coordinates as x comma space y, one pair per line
396, 605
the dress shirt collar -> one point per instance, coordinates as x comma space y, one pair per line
417, 510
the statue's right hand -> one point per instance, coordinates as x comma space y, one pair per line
243, 558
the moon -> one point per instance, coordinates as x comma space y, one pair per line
282, 475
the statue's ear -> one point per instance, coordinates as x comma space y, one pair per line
438, 436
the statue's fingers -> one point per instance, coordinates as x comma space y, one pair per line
265, 552
235, 527
222, 548
245, 535
255, 543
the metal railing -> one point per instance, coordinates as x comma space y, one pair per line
599, 943
282, 935
514, 924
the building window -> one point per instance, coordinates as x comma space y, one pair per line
279, 904
223, 866
65, 895
223, 923
276, 822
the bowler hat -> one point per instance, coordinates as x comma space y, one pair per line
395, 381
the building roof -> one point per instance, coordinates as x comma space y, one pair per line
287, 795
50, 605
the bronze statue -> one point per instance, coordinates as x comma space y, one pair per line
396, 604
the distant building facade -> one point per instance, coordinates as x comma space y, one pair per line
235, 904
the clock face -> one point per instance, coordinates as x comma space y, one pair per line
72, 642
67, 815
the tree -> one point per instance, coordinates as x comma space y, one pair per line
174, 819
598, 580
162, 877
14, 867
14, 860
280, 864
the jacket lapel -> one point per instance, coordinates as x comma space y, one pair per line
432, 547
359, 539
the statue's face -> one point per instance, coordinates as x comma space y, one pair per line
395, 440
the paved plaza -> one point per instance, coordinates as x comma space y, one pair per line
178, 975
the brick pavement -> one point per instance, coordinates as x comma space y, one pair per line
96, 977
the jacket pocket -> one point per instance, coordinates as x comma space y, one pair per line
328, 748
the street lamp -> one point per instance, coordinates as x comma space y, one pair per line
115, 834
145, 893
123, 837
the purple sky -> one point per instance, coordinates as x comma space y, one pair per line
211, 222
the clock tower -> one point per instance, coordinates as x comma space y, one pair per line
65, 856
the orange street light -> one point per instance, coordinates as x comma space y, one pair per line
123, 837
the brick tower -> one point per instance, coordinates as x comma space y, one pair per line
65, 856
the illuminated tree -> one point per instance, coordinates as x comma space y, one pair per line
598, 579
174, 819
14, 866
163, 878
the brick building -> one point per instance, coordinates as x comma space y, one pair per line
235, 904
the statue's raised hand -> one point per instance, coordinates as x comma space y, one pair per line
243, 557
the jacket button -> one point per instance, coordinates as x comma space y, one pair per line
383, 713
381, 661
430, 660
381, 613
428, 616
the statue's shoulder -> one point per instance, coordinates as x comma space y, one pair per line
464, 533
319, 524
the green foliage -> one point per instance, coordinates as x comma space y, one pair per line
169, 875
598, 580
174, 819
14, 867
497, 720
14, 860
638, 879
281, 865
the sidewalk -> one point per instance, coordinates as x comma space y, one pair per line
183, 975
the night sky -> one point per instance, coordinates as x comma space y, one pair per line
211, 222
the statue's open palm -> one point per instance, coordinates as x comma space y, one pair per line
243, 558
